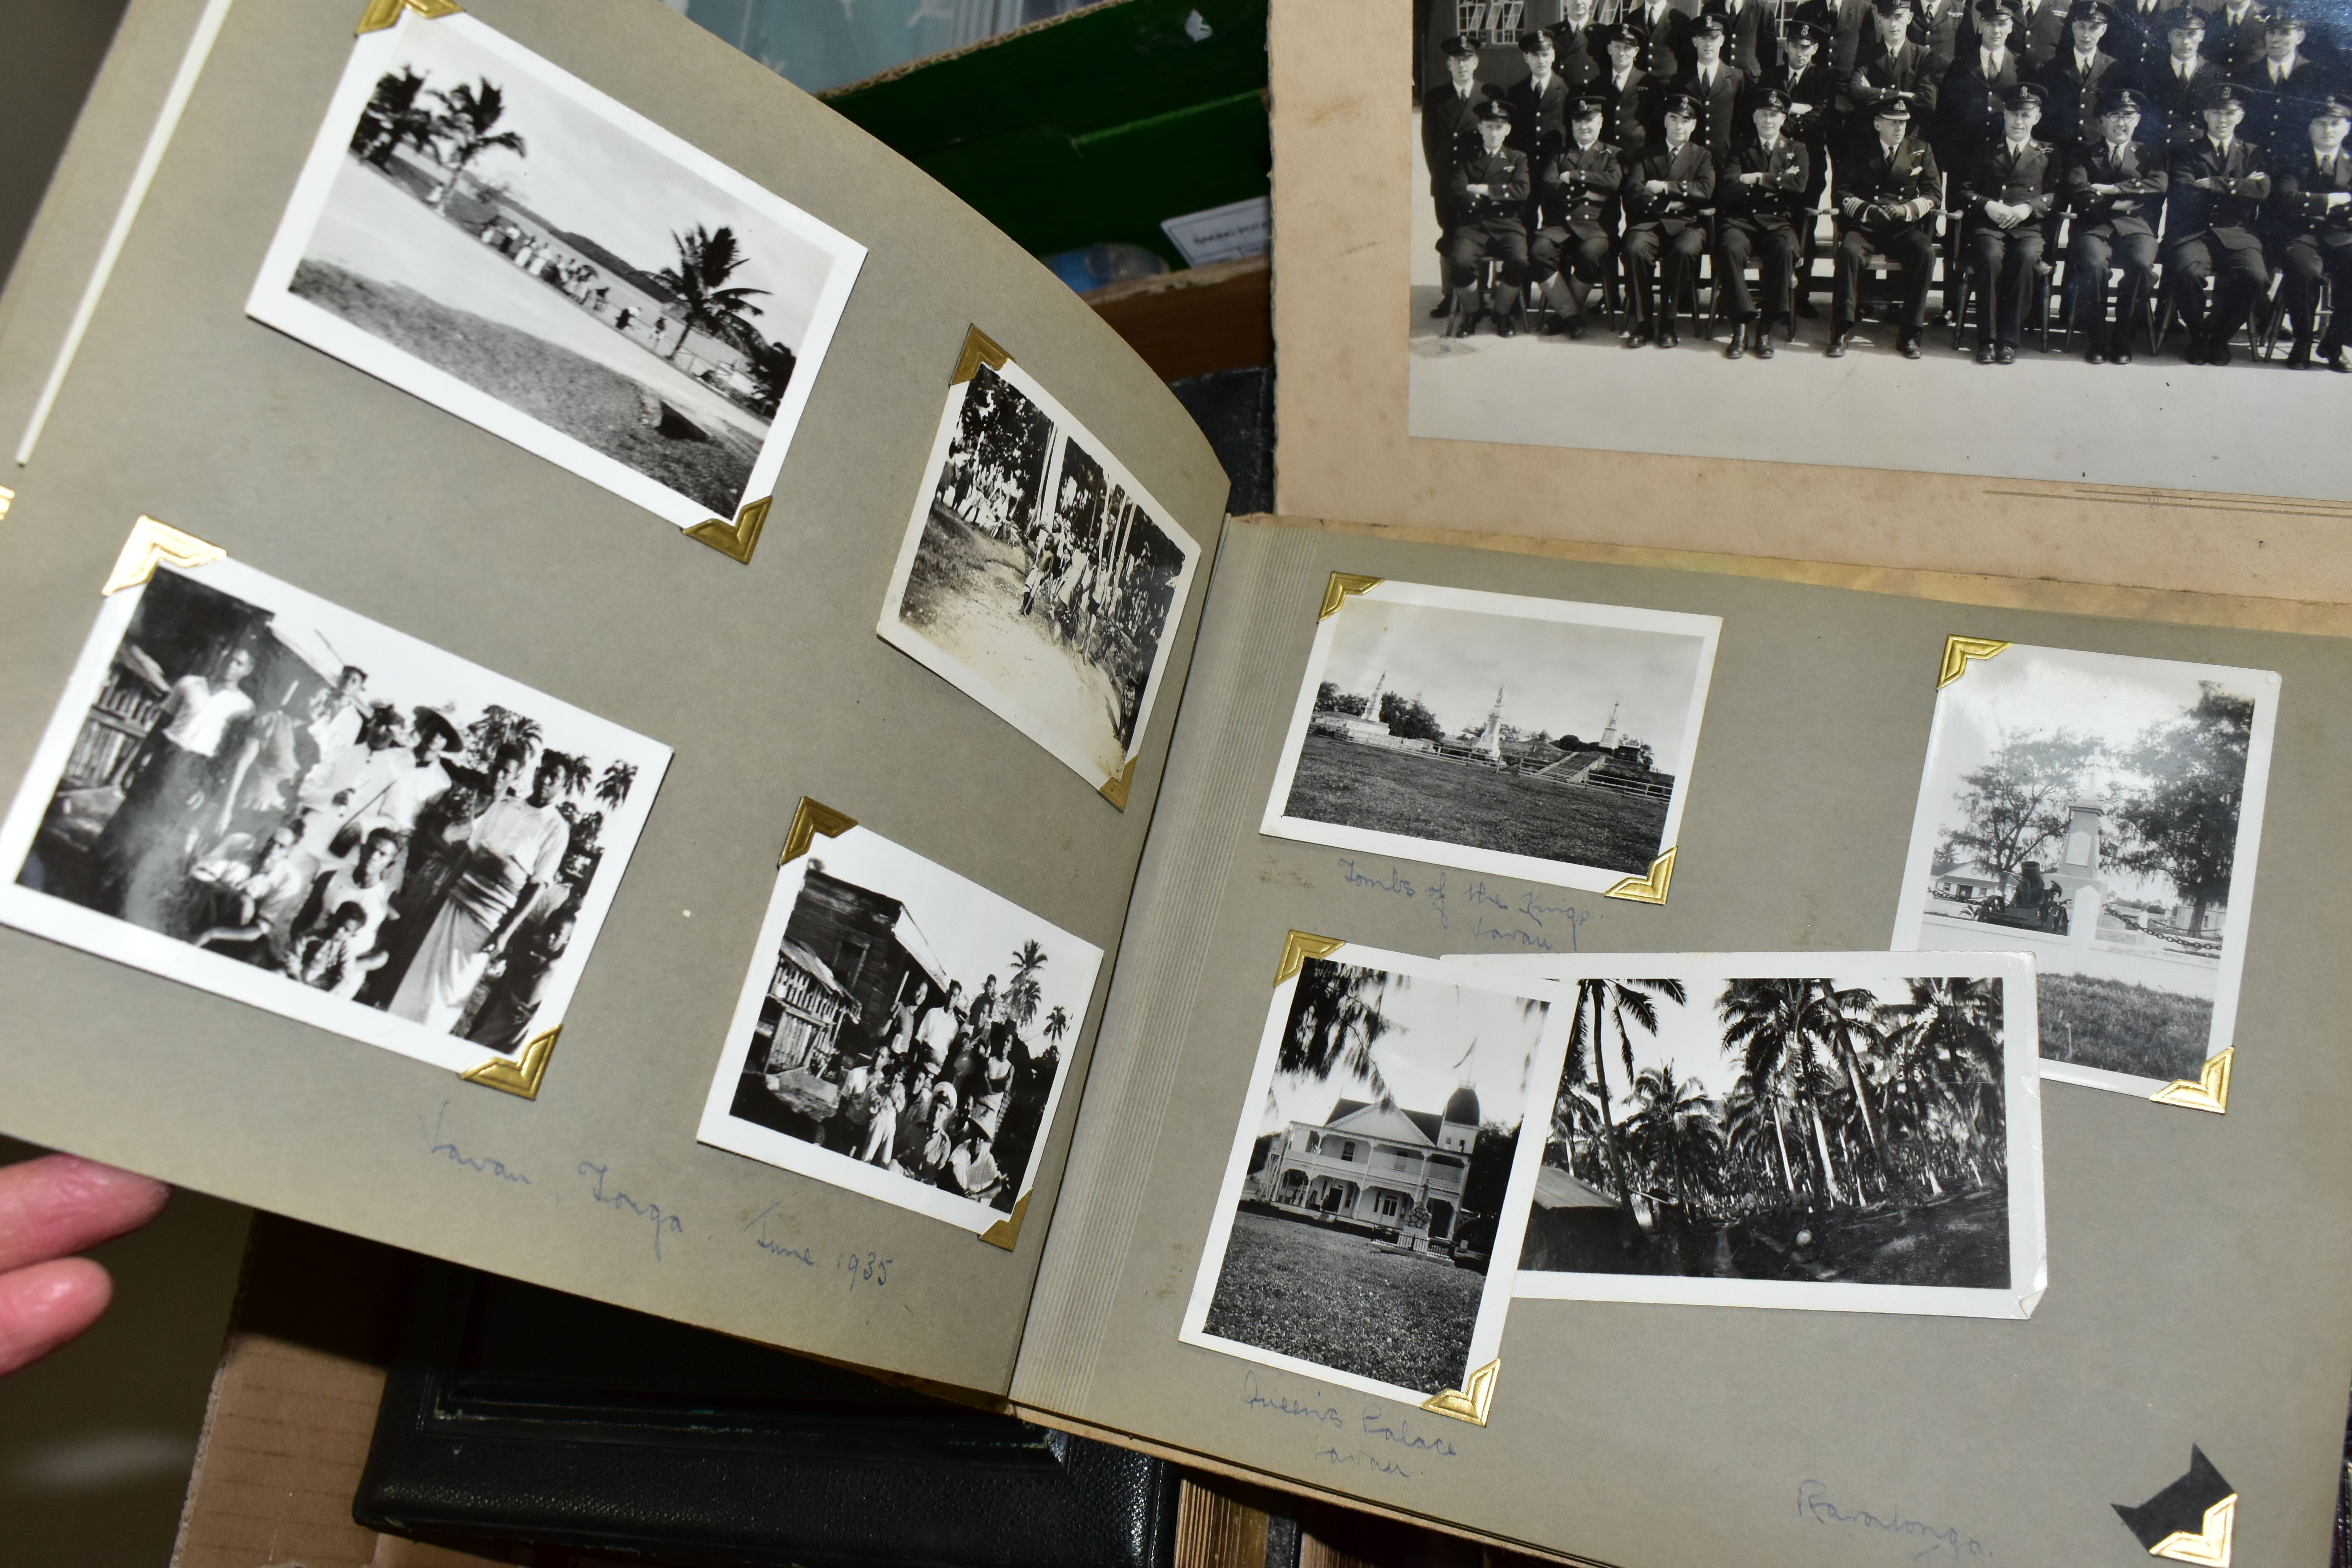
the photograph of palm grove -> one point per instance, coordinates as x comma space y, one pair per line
1816, 1130
1040, 579
1540, 743
488, 217
2101, 813
1378, 1160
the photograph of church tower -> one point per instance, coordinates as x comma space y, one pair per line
1527, 737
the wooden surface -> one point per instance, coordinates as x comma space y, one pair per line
1218, 316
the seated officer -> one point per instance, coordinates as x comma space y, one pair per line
1812, 92
1886, 188
2213, 195
1577, 191
1759, 203
1666, 193
2311, 209
2007, 192
2114, 184
1486, 190
1449, 129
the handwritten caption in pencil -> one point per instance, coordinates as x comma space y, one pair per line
1486, 912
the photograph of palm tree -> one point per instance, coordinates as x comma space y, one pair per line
2102, 813
493, 235
902, 1032
1037, 576
262, 794
1376, 1171
1863, 1136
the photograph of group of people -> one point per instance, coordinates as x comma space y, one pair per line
266, 797
1970, 142
903, 1032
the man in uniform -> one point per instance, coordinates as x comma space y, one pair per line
1662, 35
2214, 192
1758, 203
1847, 24
1538, 105
1969, 107
1631, 92
1886, 187
1576, 55
1488, 191
2281, 88
1896, 66
2080, 76
2311, 206
1449, 133
2006, 194
1666, 191
2137, 37
1811, 91
2236, 36
1717, 88
1743, 26
2171, 88
2114, 184
2041, 31
1577, 191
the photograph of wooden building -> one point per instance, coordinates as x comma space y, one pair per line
1382, 1166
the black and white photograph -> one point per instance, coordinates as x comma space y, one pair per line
487, 232
255, 792
2069, 243
1377, 1173
1037, 576
1534, 738
2104, 814
1865, 1137
903, 1033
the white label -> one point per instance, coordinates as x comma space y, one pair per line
1223, 234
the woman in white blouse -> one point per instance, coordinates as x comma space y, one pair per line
175, 793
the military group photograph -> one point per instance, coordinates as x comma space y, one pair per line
1934, 188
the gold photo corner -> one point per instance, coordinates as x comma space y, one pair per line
8, 500
153, 545
1115, 790
1336, 592
1007, 1231
521, 1076
382, 14
736, 541
2210, 1546
1471, 1401
979, 349
2209, 1090
1299, 946
1649, 889
1958, 651
808, 820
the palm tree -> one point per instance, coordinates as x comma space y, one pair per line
1057, 1024
1575, 1114
1751, 1126
613, 789
1630, 1004
1023, 994
1765, 1023
1847, 1021
500, 727
706, 260
1946, 1041
1676, 1123
393, 115
1335, 1022
467, 127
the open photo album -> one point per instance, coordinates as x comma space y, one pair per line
1625, 1056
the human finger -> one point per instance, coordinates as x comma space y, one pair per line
43, 1305
58, 1204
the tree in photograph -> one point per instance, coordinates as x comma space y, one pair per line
1022, 994
706, 260
1576, 1129
2016, 804
395, 114
613, 789
769, 366
1056, 1025
1630, 1005
1753, 1133
573, 773
2183, 827
466, 127
1489, 1173
1335, 1022
1329, 698
1409, 718
1673, 1129
1944, 1039
1765, 1025
1847, 1021
496, 728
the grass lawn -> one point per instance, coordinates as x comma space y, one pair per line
1325, 1296
593, 405
953, 560
1357, 785
2123, 1028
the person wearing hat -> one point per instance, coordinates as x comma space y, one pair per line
1811, 91
2079, 75
1760, 205
2114, 185
2311, 208
1538, 104
1895, 66
1968, 108
1663, 32
1577, 55
2236, 35
1577, 194
1488, 192
1743, 26
1668, 189
2008, 191
2214, 191
1885, 190
1449, 134
2170, 88
1717, 88
2281, 88
2137, 35
1631, 122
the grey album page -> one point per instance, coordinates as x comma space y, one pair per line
378, 507
2197, 1264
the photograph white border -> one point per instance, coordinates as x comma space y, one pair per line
948, 668
1510, 1228
862, 855
1275, 824
2237, 910
2029, 1241
59, 919
273, 303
